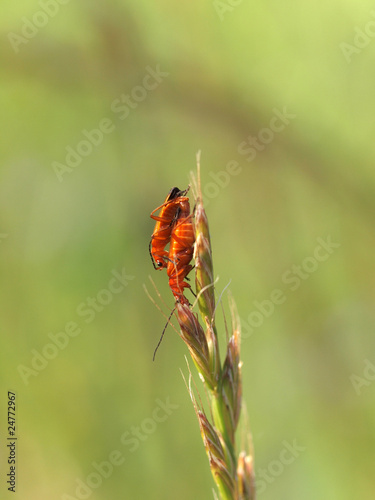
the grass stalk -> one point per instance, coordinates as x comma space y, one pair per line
233, 472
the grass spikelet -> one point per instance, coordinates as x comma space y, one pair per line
246, 477
194, 337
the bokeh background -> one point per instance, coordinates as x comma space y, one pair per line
309, 367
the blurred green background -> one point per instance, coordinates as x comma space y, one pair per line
309, 365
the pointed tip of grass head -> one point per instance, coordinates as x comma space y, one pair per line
204, 274
204, 278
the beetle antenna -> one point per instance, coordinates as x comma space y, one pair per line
162, 335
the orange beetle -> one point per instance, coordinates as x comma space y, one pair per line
181, 251
163, 227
